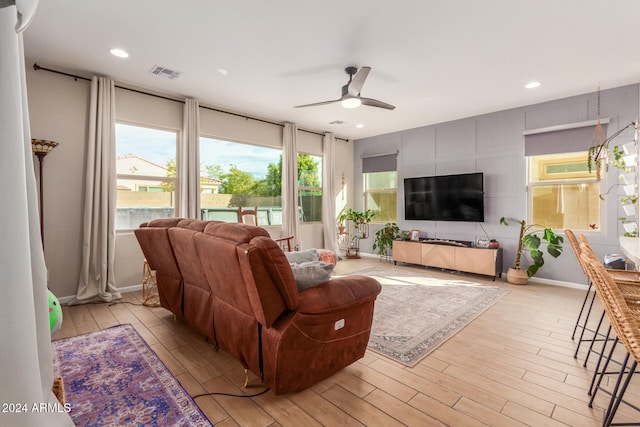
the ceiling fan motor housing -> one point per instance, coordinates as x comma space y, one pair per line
351, 70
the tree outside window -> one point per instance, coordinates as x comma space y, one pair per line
250, 176
310, 187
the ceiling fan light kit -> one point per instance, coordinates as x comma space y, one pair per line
351, 92
351, 102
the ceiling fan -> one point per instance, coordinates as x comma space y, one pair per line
351, 92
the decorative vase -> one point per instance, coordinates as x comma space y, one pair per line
493, 244
517, 277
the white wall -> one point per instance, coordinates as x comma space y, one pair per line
58, 108
58, 111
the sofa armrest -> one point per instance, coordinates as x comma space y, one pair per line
338, 294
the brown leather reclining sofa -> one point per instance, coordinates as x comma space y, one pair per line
233, 283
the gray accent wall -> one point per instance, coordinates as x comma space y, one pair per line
494, 144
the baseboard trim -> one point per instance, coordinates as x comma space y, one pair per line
559, 283
134, 288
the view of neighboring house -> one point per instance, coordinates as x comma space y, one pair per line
133, 165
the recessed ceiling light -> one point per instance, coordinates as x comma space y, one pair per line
359, 125
532, 85
223, 71
119, 53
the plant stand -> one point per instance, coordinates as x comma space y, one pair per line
150, 296
360, 231
353, 251
386, 257
343, 242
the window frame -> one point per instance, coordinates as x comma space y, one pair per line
310, 188
159, 180
225, 139
386, 190
581, 178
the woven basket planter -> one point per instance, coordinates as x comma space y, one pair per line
517, 277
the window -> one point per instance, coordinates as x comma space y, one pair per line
309, 188
234, 174
381, 195
563, 193
381, 186
145, 174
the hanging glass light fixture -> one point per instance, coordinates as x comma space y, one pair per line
599, 151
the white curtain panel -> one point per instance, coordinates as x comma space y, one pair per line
97, 274
189, 162
290, 184
328, 193
26, 368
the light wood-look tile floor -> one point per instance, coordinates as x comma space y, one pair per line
512, 366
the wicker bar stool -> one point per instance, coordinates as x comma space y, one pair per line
627, 329
581, 322
628, 282
629, 285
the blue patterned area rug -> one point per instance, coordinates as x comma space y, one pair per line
416, 313
113, 378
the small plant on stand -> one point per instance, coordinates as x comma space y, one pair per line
342, 229
360, 222
384, 239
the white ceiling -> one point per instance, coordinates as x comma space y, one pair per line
435, 60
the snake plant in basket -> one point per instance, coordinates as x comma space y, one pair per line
530, 240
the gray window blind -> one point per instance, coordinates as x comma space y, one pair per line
381, 163
560, 140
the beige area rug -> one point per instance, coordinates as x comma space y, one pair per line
416, 313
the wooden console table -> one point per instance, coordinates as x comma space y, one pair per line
483, 261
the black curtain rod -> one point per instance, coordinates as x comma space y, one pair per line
262, 120
76, 77
37, 67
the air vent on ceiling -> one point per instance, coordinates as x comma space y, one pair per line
165, 72
336, 122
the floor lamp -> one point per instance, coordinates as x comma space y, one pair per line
42, 147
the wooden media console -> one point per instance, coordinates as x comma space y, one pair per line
450, 256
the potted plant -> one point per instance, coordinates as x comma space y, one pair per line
359, 218
342, 229
531, 241
385, 237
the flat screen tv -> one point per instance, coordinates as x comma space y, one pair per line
445, 198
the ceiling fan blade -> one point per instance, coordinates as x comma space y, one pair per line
318, 103
375, 103
355, 85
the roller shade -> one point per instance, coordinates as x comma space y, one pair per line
561, 139
380, 163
